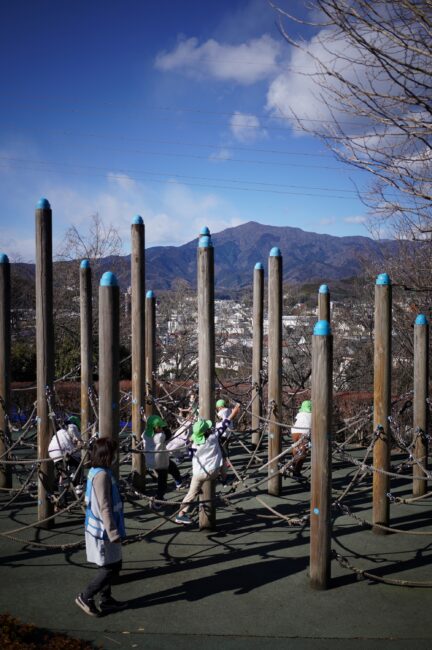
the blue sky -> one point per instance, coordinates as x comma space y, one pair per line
177, 110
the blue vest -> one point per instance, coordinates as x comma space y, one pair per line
93, 524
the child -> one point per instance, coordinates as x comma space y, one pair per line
155, 437
65, 445
207, 461
300, 433
226, 417
104, 529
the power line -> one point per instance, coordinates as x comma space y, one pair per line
121, 175
214, 158
30, 106
121, 136
157, 173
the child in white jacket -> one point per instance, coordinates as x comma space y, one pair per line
300, 433
155, 437
207, 461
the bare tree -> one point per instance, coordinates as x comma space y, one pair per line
101, 241
370, 64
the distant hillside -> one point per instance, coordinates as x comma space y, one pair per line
307, 257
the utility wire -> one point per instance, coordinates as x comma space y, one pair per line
121, 176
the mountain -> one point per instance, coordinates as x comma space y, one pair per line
307, 257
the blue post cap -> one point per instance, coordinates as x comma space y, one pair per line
43, 204
85, 264
259, 266
4, 258
421, 320
150, 294
275, 252
205, 231
322, 328
205, 241
324, 289
383, 278
137, 220
108, 280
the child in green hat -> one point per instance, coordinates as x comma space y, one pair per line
207, 461
155, 437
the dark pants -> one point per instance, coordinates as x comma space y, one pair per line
162, 478
72, 464
102, 581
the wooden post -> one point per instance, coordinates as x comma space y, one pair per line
321, 393
5, 371
274, 367
86, 325
206, 359
138, 347
382, 398
44, 355
150, 351
257, 351
109, 305
324, 303
421, 394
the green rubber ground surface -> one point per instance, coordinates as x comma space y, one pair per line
244, 585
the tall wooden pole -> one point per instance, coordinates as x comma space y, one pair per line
44, 354
421, 394
86, 321
322, 389
274, 367
5, 372
206, 359
138, 347
150, 351
257, 351
382, 400
109, 334
324, 303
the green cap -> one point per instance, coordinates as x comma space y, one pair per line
199, 429
220, 403
306, 406
73, 419
152, 422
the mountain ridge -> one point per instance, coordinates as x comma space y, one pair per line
307, 257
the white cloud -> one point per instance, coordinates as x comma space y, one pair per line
172, 215
356, 219
297, 92
245, 64
221, 155
327, 221
246, 127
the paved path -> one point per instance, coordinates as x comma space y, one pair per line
243, 586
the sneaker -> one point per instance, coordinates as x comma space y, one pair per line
156, 506
183, 519
87, 605
181, 486
111, 605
